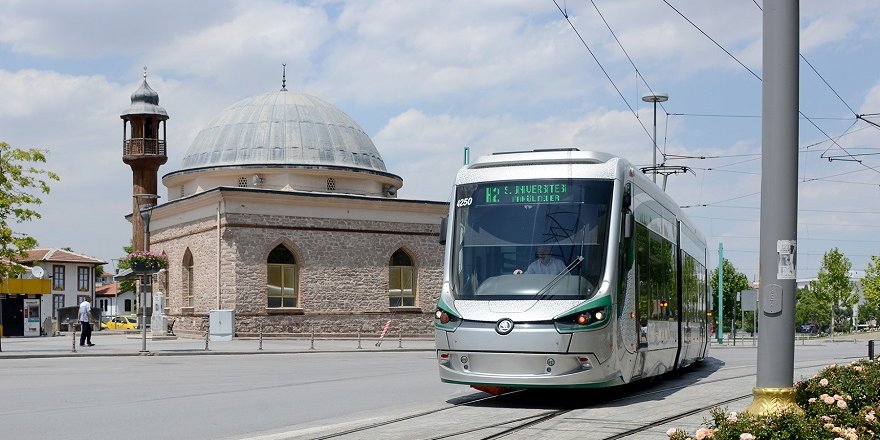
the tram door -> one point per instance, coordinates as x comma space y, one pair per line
643, 297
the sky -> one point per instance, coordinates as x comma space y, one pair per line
425, 79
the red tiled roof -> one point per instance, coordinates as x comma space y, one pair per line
59, 256
111, 289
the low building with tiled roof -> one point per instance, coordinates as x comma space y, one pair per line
112, 301
68, 277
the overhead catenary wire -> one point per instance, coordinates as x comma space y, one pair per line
601, 67
813, 123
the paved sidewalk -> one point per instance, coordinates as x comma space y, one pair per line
109, 343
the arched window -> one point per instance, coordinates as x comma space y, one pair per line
188, 279
401, 280
281, 277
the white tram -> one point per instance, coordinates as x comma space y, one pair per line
567, 268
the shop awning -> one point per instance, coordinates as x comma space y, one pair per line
26, 286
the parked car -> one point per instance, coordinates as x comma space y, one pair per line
120, 323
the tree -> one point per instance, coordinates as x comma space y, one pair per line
19, 181
127, 285
871, 284
835, 288
734, 282
811, 308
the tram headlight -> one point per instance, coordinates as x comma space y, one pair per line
446, 320
442, 316
590, 318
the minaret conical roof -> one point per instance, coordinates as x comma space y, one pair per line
145, 101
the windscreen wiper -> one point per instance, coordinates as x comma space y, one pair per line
539, 294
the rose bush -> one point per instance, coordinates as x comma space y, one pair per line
840, 402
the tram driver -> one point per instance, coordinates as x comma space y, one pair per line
545, 264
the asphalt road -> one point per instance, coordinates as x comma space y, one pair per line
208, 397
266, 396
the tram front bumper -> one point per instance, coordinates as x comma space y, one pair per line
525, 370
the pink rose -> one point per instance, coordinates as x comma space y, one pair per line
870, 417
670, 432
828, 399
841, 404
703, 433
746, 436
823, 382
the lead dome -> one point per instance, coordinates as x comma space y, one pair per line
283, 127
284, 141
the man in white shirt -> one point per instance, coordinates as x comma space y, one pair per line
546, 264
85, 310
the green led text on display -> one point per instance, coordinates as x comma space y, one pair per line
525, 193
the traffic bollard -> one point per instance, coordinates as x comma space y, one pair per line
312, 346
360, 328
73, 342
871, 349
261, 338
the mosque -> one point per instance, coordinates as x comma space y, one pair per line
282, 211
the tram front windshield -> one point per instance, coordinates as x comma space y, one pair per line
530, 239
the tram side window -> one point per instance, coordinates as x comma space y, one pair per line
689, 288
643, 284
669, 252
658, 276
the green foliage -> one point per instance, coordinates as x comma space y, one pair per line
834, 286
868, 311
811, 309
19, 180
839, 402
734, 282
871, 284
127, 285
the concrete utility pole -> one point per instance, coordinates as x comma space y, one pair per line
774, 392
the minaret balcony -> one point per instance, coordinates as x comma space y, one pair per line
143, 147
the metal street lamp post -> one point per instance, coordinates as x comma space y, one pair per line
146, 211
655, 98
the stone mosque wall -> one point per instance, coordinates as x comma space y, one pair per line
342, 282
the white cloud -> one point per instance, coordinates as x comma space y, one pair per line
427, 79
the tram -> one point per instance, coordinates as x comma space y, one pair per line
567, 268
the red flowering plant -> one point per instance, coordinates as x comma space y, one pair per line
146, 261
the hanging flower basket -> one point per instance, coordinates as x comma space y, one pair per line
147, 262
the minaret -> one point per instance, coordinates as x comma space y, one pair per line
144, 151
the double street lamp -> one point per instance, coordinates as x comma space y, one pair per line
146, 210
655, 98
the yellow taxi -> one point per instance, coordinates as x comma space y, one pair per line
120, 323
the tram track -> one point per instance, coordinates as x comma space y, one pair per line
506, 425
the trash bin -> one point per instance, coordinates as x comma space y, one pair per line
222, 325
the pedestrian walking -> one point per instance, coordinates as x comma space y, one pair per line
85, 312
